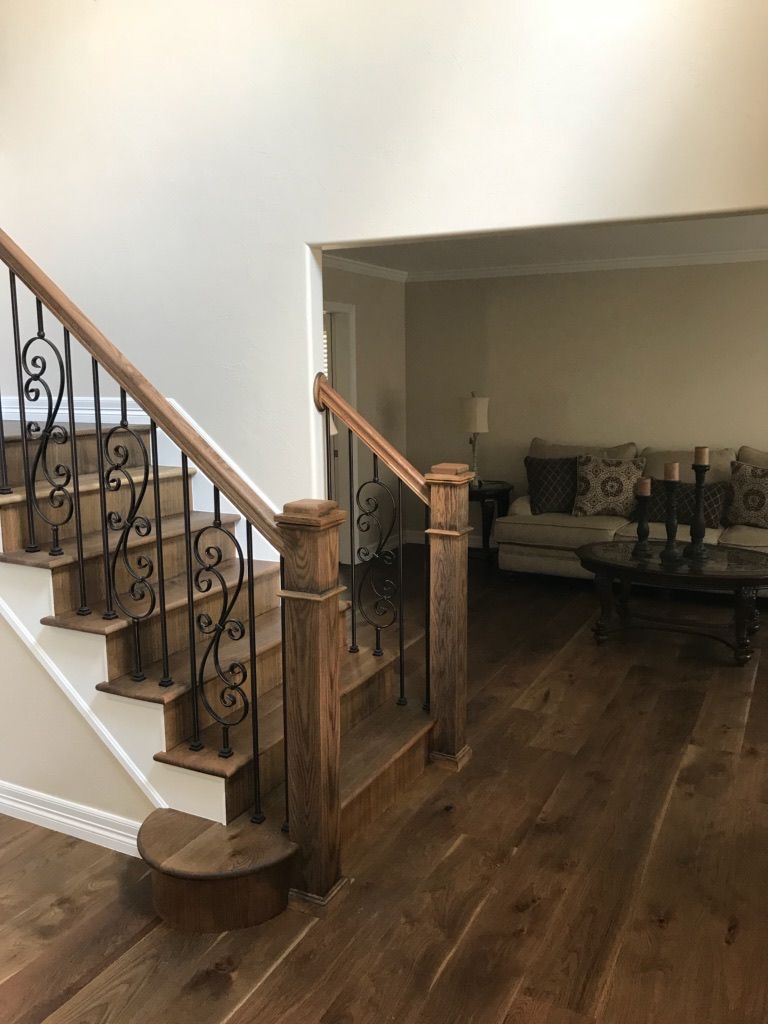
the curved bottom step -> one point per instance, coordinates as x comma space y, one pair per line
208, 877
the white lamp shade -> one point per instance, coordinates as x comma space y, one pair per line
476, 415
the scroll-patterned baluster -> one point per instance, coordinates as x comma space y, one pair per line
139, 569
43, 376
377, 590
209, 556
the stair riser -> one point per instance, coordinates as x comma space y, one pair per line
178, 716
13, 518
360, 702
120, 656
87, 454
66, 579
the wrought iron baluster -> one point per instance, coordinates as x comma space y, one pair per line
84, 608
258, 815
109, 611
402, 699
377, 589
209, 555
353, 648
195, 742
32, 544
286, 824
134, 522
427, 606
5, 487
166, 679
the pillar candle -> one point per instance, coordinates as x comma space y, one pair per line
643, 488
671, 470
701, 456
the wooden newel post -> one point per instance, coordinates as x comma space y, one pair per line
312, 644
448, 543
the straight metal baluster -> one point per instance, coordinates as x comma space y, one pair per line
84, 609
285, 826
109, 612
353, 648
378, 650
427, 603
258, 815
32, 544
195, 743
328, 456
166, 679
402, 699
4, 486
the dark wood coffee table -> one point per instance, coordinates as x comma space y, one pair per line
735, 571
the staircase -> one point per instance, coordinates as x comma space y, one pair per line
276, 691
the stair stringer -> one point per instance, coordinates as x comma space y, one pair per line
132, 730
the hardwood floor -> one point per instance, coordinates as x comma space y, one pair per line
602, 860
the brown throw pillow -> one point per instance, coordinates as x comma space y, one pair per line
551, 484
714, 498
606, 487
749, 501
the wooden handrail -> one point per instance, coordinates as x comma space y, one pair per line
327, 397
156, 405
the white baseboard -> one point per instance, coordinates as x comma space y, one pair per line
85, 410
94, 826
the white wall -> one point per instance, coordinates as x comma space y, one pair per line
169, 163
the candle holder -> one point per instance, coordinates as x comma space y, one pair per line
696, 550
671, 555
642, 550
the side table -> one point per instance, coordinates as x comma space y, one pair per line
494, 496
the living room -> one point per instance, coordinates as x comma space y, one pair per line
640, 335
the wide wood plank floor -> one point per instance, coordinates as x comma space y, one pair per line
602, 860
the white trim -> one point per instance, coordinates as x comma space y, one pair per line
85, 410
696, 259
88, 714
331, 262
73, 819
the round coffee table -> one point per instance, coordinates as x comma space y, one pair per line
731, 570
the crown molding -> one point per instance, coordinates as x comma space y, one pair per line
332, 262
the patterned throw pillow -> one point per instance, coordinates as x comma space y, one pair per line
551, 484
749, 503
713, 501
606, 487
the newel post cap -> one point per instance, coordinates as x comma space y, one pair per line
313, 513
450, 473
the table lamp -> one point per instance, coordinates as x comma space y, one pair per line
475, 423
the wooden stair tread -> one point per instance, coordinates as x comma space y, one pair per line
175, 597
207, 760
89, 483
186, 846
173, 526
268, 635
375, 742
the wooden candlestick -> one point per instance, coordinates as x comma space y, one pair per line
696, 550
671, 555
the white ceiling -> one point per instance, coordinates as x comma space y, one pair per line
562, 249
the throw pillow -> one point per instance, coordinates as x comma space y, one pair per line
551, 484
714, 498
749, 501
606, 487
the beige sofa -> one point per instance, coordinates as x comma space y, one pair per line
547, 543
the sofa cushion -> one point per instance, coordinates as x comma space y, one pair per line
745, 537
720, 460
541, 449
657, 531
714, 498
752, 456
553, 529
606, 487
749, 498
551, 484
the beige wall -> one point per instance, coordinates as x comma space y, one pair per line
46, 745
665, 357
380, 344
